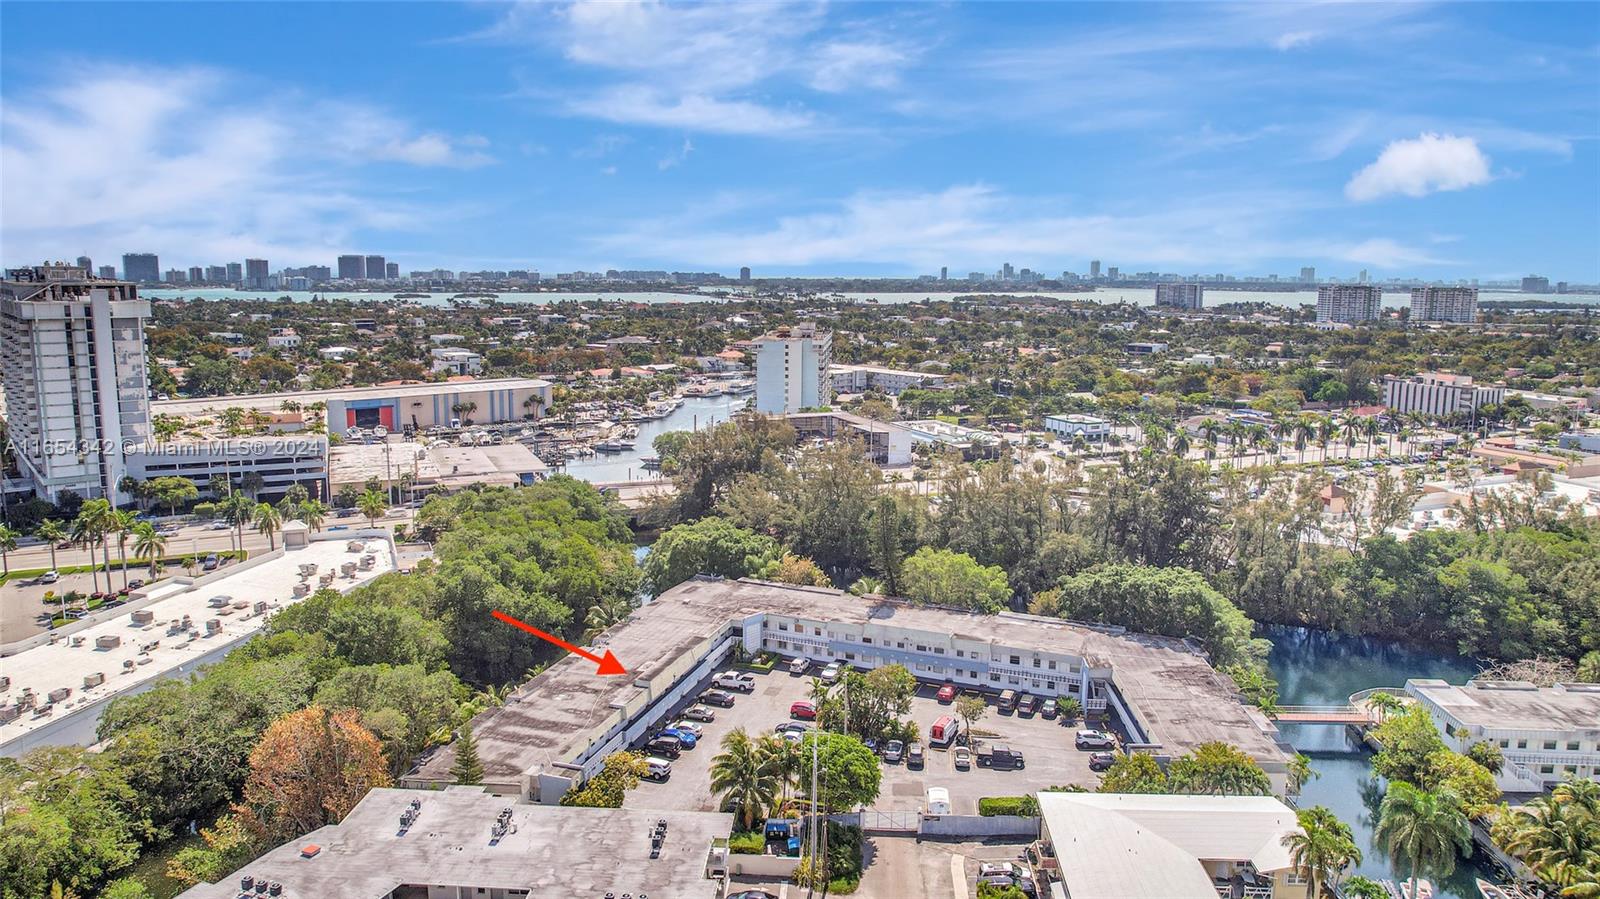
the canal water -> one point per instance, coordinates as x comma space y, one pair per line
695, 413
1321, 668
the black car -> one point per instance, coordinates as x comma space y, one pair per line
665, 747
1100, 761
717, 697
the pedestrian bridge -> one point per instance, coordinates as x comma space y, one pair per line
1323, 714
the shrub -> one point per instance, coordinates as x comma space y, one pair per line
749, 842
1022, 806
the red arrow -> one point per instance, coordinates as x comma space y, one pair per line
608, 664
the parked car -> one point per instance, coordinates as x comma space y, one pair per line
915, 757
220, 525
1049, 710
1027, 704
692, 727
944, 730
803, 709
743, 681
657, 769
947, 693
136, 583
50, 577
893, 751
1095, 739
791, 727
666, 747
832, 673
799, 665
717, 697
211, 562
999, 755
962, 757
1100, 761
753, 894
1008, 701
700, 713
994, 869
684, 737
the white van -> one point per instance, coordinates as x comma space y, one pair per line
938, 801
800, 665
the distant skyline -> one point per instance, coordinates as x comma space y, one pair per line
1452, 141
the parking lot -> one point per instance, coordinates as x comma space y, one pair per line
1046, 745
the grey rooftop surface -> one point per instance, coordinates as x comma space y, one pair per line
551, 719
548, 850
1515, 705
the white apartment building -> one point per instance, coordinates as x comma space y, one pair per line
73, 360
1444, 304
893, 381
1349, 303
1066, 427
1181, 296
792, 369
283, 338
1545, 734
1438, 394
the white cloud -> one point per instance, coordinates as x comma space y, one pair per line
1416, 168
678, 158
640, 104
1292, 39
195, 167
710, 66
975, 225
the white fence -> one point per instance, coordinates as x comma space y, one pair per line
977, 826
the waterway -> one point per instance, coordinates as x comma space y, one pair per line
1321, 668
694, 414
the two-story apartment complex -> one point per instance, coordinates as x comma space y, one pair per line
1545, 734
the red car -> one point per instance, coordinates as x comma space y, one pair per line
803, 710
947, 693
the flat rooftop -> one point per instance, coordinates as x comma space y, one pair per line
76, 655
271, 402
1181, 701
547, 850
1514, 705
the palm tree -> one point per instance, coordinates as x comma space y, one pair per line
150, 546
1555, 836
1424, 830
91, 527
1384, 704
372, 504
745, 775
313, 512
1321, 849
604, 614
122, 523
8, 542
238, 508
267, 521
52, 533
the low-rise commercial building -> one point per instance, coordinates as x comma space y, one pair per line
456, 361
885, 443
464, 843
393, 406
1545, 734
1134, 846
1089, 427
1439, 394
278, 460
556, 729
970, 442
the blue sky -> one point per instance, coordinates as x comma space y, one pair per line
1458, 140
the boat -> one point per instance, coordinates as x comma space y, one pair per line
608, 446
1491, 891
625, 444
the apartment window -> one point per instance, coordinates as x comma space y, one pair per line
782, 626
1547, 769
1572, 745
816, 631
1049, 685
961, 653
1013, 681
972, 674
1522, 744
850, 657
783, 644
994, 676
938, 650
1549, 744
1016, 660
867, 640
1052, 664
1292, 878
899, 644
1505, 744
921, 648
1035, 663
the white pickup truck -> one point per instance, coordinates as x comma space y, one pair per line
735, 680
